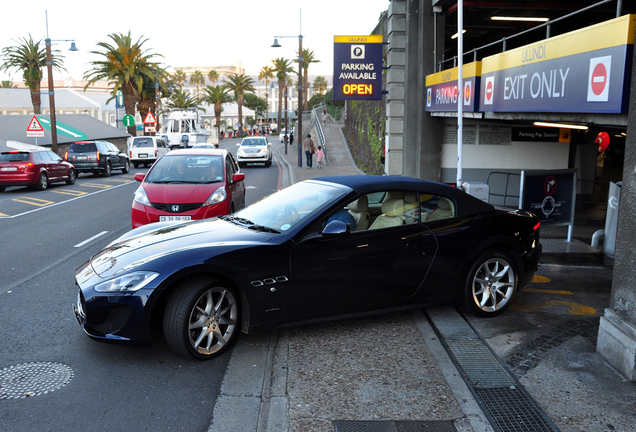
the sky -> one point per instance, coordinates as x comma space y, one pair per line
191, 33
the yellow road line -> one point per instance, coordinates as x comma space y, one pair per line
69, 192
540, 279
548, 291
33, 201
96, 185
4, 215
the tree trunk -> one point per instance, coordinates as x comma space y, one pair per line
36, 100
306, 89
240, 113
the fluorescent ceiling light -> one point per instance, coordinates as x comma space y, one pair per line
532, 19
561, 125
457, 34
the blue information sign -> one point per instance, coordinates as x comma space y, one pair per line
357, 64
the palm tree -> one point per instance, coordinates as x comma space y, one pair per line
282, 67
7, 84
320, 84
124, 65
240, 84
179, 77
213, 76
148, 94
182, 100
217, 96
265, 74
31, 59
308, 57
197, 79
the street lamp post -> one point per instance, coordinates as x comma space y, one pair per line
49, 66
300, 87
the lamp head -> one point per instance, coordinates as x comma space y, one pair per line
276, 44
73, 47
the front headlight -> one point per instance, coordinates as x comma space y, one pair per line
128, 283
218, 196
141, 197
263, 150
241, 151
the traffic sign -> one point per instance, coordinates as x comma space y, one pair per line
35, 129
150, 118
128, 120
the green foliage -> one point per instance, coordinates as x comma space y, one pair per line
315, 100
253, 102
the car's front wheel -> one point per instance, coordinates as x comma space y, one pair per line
201, 318
108, 170
491, 283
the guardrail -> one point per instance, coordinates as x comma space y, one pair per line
315, 116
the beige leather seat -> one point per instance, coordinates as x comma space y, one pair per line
359, 209
392, 214
411, 211
444, 210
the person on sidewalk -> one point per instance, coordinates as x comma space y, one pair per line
308, 146
319, 156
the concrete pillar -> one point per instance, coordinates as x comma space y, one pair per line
422, 133
396, 24
617, 331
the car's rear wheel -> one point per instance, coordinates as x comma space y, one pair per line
491, 283
126, 167
136, 164
71, 177
108, 170
43, 182
202, 318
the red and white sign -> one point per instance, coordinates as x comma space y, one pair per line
150, 119
35, 129
468, 92
489, 94
599, 79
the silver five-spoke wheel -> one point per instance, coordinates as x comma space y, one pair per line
492, 283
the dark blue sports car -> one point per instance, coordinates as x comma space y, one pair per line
323, 248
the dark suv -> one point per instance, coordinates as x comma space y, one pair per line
97, 157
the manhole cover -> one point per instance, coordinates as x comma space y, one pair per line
33, 379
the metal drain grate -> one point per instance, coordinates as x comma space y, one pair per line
503, 399
513, 410
393, 426
528, 356
33, 379
481, 368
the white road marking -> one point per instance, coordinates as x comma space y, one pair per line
90, 239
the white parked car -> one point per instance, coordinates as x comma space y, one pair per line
254, 150
145, 150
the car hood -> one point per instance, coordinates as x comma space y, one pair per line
179, 193
133, 250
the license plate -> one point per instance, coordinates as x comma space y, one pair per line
143, 155
252, 155
81, 158
10, 168
174, 218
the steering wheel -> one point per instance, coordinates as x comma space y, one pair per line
290, 212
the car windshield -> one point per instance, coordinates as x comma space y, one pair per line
142, 142
285, 209
254, 142
14, 157
187, 169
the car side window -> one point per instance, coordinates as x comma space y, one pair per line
436, 207
229, 170
397, 208
39, 156
53, 156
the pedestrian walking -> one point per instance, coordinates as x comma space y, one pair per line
319, 156
291, 138
308, 146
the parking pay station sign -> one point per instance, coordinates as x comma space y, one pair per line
357, 64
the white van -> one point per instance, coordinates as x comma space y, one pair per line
145, 150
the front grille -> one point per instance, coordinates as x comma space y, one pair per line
170, 208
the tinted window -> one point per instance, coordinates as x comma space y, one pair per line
14, 157
40, 157
53, 156
142, 142
83, 148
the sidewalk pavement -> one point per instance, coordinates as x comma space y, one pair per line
412, 371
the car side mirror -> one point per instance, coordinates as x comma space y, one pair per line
238, 177
140, 177
336, 228
238, 144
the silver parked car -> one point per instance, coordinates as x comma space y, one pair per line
254, 150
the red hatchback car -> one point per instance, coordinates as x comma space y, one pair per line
34, 168
189, 184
